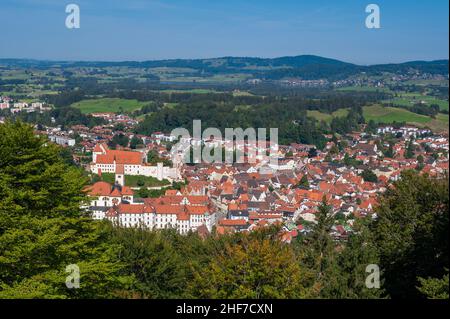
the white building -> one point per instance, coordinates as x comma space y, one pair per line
107, 161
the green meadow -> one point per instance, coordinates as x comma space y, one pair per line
326, 116
381, 114
108, 105
409, 99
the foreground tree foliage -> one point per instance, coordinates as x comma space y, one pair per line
251, 268
412, 232
338, 269
434, 288
153, 261
42, 229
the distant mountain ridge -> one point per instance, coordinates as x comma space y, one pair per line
302, 66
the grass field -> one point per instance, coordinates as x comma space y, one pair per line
170, 105
411, 99
108, 105
242, 93
382, 114
132, 180
327, 117
440, 123
402, 98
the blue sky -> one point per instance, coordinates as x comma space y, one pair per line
117, 30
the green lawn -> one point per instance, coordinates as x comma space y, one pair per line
132, 180
108, 105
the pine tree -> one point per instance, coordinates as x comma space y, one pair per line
352, 261
252, 268
151, 258
42, 228
434, 288
319, 250
411, 232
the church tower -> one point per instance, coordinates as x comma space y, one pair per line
120, 175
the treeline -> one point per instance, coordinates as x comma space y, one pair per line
293, 124
289, 116
43, 232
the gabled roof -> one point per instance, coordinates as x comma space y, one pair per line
105, 189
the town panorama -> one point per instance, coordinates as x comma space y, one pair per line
165, 170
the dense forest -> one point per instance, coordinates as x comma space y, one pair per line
288, 115
43, 230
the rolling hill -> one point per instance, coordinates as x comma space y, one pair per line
304, 66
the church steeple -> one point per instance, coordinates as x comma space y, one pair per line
120, 175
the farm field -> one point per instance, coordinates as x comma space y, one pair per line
108, 105
402, 98
327, 117
408, 99
382, 114
440, 123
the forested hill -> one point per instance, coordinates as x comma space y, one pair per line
304, 66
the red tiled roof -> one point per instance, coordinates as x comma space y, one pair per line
197, 210
98, 148
121, 157
105, 189
133, 209
232, 222
99, 189
169, 209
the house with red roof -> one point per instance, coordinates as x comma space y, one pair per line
103, 195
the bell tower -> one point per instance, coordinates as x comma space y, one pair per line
120, 175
